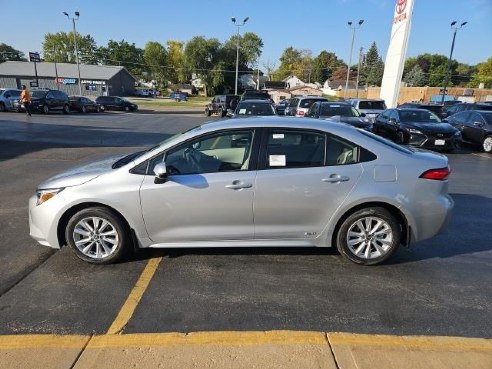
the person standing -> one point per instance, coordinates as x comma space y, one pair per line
26, 99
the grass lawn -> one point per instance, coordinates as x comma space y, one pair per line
192, 102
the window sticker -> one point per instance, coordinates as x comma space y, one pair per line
278, 136
242, 111
277, 160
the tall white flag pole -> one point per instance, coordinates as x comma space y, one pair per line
397, 50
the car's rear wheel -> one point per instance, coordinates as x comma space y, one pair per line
84, 109
46, 109
66, 109
369, 236
487, 144
98, 236
2, 107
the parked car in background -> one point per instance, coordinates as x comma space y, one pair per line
45, 101
247, 108
178, 96
299, 106
370, 107
83, 104
263, 181
341, 112
115, 103
464, 107
280, 107
8, 96
475, 127
221, 105
417, 127
437, 109
256, 95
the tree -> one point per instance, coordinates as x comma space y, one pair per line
202, 57
60, 47
155, 58
124, 54
175, 61
324, 65
483, 75
295, 62
8, 53
250, 48
416, 77
373, 70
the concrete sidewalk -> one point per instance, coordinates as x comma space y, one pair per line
273, 349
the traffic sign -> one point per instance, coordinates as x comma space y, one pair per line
34, 57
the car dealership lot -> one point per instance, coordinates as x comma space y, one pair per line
439, 287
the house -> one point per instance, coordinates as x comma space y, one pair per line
279, 94
293, 81
305, 91
339, 84
249, 81
185, 88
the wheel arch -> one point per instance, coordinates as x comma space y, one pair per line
399, 215
63, 222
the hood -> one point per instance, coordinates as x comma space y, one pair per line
80, 175
431, 127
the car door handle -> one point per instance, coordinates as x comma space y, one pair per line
336, 178
238, 185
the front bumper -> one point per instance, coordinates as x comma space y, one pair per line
428, 142
44, 218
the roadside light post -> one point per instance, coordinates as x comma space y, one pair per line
77, 15
353, 28
448, 69
237, 48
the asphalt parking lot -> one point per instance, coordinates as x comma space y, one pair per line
442, 286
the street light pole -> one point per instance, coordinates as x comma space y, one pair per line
77, 15
237, 48
448, 69
358, 72
353, 28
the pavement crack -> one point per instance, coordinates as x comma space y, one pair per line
327, 339
82, 351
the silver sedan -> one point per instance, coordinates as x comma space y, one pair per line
267, 181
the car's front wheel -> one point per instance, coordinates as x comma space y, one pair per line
487, 144
98, 236
66, 109
2, 107
84, 109
369, 236
46, 109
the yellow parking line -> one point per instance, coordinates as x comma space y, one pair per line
134, 298
416, 342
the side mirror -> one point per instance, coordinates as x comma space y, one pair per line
362, 114
478, 124
160, 171
392, 121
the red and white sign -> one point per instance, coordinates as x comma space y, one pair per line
400, 13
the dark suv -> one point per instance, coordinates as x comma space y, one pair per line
464, 107
220, 104
49, 100
256, 95
115, 103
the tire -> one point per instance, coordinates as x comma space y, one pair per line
66, 109
208, 112
108, 238
84, 109
369, 247
127, 109
46, 109
222, 112
487, 144
102, 108
2, 107
98, 109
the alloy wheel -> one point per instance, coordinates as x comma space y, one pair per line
369, 237
95, 237
487, 144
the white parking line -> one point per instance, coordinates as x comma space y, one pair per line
486, 156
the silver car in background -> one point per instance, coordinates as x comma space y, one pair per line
263, 181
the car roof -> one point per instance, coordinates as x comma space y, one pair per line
335, 103
256, 101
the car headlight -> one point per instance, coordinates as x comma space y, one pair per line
45, 195
416, 131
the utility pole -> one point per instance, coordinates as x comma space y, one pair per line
358, 72
353, 28
237, 48
448, 69
77, 15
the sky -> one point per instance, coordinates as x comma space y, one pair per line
303, 24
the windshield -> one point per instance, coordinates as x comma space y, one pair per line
376, 105
420, 115
306, 103
342, 110
1, 92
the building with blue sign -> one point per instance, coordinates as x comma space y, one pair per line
96, 80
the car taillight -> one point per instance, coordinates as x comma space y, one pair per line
439, 174
300, 113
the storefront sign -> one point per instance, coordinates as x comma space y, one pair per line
90, 82
66, 81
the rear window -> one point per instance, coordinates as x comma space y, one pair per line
386, 142
376, 105
421, 115
306, 103
250, 108
342, 110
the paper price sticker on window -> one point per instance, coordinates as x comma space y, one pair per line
278, 136
277, 160
242, 111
